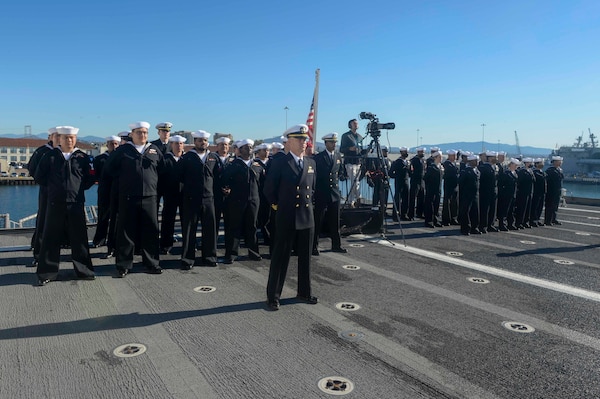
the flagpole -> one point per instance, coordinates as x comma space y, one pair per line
316, 99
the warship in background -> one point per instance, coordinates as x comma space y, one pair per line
581, 161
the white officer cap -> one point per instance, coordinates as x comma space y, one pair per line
471, 157
515, 161
420, 149
200, 134
124, 133
333, 136
67, 130
139, 124
177, 139
277, 145
113, 138
556, 158
52, 130
244, 142
299, 131
223, 139
451, 152
436, 154
164, 126
403, 149
384, 148
491, 153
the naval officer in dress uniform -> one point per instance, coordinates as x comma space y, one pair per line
327, 193
289, 187
65, 171
164, 133
137, 164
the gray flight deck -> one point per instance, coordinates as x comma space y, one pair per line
419, 328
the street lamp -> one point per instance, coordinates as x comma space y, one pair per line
418, 137
482, 137
286, 110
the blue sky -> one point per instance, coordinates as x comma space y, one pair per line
442, 67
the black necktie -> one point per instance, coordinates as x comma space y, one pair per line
300, 163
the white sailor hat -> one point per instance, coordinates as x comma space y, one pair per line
52, 130
436, 154
333, 136
420, 149
164, 126
403, 149
384, 148
471, 157
277, 145
200, 134
466, 153
515, 161
177, 139
67, 130
124, 133
262, 146
529, 160
491, 154
451, 152
113, 138
434, 149
139, 124
556, 158
538, 160
244, 142
223, 139
501, 152
298, 131
283, 139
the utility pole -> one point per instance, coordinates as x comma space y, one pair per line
482, 137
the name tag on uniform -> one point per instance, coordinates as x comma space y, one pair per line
310, 169
338, 161
152, 151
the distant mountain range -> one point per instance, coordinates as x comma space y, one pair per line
475, 147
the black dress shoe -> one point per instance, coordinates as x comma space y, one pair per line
511, 227
493, 229
430, 225
534, 224
42, 282
155, 270
503, 228
254, 257
557, 223
475, 231
315, 252
109, 255
165, 251
455, 223
438, 225
465, 233
312, 300
404, 218
340, 250
483, 231
228, 260
210, 263
34, 263
526, 225
121, 273
90, 278
273, 305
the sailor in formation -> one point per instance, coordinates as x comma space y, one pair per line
450, 204
65, 172
104, 188
261, 157
554, 178
172, 186
400, 172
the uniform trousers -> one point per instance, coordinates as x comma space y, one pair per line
171, 202
103, 216
450, 205
242, 223
285, 239
468, 213
522, 208
328, 214
431, 206
506, 211
537, 204
552, 202
195, 211
59, 213
487, 210
400, 198
416, 197
137, 219
40, 221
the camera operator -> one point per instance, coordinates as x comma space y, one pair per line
351, 147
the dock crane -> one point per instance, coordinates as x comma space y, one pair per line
517, 144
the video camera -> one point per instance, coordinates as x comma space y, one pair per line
374, 127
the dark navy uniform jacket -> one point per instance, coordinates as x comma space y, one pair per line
243, 181
417, 169
65, 180
507, 184
37, 156
137, 173
554, 178
469, 184
539, 186
487, 180
400, 170
291, 190
450, 176
525, 181
200, 180
433, 179
327, 188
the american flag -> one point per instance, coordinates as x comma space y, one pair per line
310, 122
